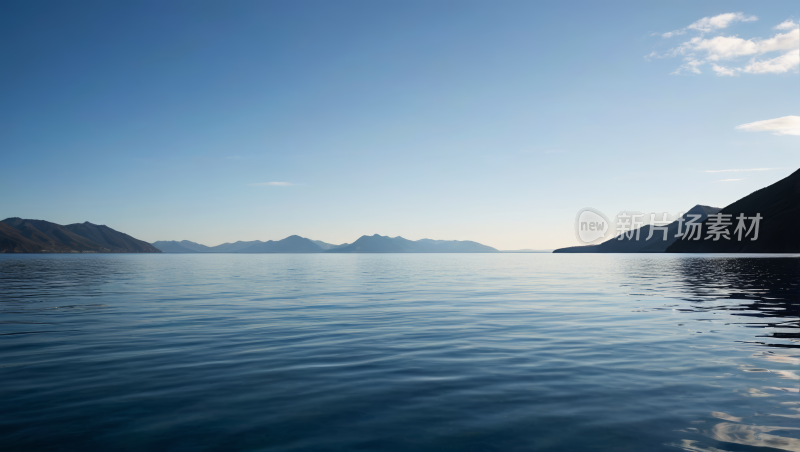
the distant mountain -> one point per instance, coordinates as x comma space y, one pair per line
297, 244
328, 246
233, 247
192, 246
779, 207
291, 244
629, 244
451, 246
18, 235
382, 244
173, 246
186, 246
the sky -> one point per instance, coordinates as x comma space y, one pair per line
459, 120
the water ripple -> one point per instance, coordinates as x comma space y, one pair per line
399, 352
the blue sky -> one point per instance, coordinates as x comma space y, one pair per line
486, 121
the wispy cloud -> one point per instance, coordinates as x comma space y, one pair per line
708, 24
725, 53
787, 24
272, 184
722, 70
785, 125
740, 170
728, 180
789, 61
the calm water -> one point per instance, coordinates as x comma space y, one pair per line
512, 352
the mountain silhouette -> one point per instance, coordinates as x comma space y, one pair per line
192, 246
291, 244
629, 244
174, 246
296, 244
232, 247
383, 244
19, 235
328, 246
109, 238
186, 246
779, 207
12, 240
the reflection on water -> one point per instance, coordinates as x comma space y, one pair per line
399, 352
748, 435
764, 290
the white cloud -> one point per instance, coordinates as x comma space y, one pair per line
729, 47
783, 41
699, 50
739, 170
670, 34
272, 184
709, 24
789, 61
720, 47
786, 125
728, 180
722, 70
787, 24
692, 65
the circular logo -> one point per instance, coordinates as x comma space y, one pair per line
591, 225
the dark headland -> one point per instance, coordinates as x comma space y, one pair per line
630, 244
779, 230
38, 236
777, 205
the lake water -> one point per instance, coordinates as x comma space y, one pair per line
399, 352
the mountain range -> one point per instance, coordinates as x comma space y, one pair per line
291, 244
296, 244
382, 244
38, 236
777, 207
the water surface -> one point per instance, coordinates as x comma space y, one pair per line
399, 352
